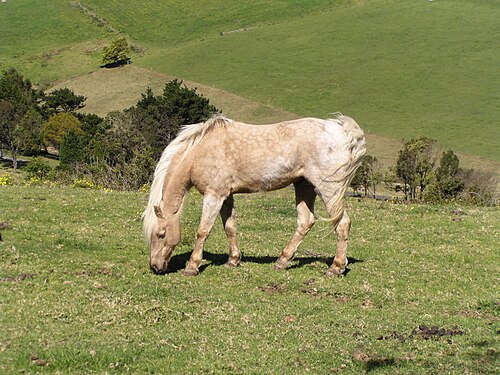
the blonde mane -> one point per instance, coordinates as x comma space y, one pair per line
187, 139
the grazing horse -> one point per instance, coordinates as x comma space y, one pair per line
222, 157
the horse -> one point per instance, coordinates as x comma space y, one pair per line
222, 157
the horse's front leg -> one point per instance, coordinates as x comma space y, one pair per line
228, 216
211, 207
304, 199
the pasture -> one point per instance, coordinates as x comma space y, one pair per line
76, 293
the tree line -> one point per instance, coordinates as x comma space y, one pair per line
121, 150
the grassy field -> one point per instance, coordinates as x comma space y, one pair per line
402, 69
77, 296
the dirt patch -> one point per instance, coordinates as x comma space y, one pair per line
425, 333
5, 224
272, 288
18, 278
89, 273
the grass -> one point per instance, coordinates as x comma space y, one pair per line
77, 296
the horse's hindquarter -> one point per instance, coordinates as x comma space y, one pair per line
250, 158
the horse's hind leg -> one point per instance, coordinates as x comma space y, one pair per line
333, 198
340, 260
228, 216
212, 205
304, 199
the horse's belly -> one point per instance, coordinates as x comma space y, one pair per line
265, 179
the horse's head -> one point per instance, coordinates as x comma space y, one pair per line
162, 243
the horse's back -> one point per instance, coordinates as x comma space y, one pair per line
245, 157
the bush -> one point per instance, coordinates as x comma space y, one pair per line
38, 168
83, 183
116, 54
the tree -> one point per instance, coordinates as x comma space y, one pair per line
414, 166
185, 105
18, 113
159, 118
28, 133
120, 157
90, 123
120, 151
446, 183
7, 120
19, 134
448, 165
72, 148
63, 100
17, 90
367, 175
54, 129
116, 54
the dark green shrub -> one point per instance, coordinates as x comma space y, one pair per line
38, 168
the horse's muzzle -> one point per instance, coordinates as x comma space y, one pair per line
158, 271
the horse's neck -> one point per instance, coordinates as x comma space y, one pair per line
174, 193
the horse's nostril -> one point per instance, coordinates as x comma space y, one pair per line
154, 268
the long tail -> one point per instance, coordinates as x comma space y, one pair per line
357, 146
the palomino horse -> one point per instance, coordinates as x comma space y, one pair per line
221, 157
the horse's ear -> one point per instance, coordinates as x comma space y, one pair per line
158, 212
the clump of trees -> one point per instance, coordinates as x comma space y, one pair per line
421, 173
118, 151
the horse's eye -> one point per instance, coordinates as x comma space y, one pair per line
161, 235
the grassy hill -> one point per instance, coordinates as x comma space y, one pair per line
402, 69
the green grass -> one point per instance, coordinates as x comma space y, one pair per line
75, 290
48, 40
402, 69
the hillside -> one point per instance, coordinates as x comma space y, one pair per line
116, 89
402, 69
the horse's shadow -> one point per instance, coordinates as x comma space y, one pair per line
178, 262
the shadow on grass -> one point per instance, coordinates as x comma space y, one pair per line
8, 163
178, 262
378, 363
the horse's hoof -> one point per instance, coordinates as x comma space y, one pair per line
335, 271
231, 264
280, 266
190, 272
